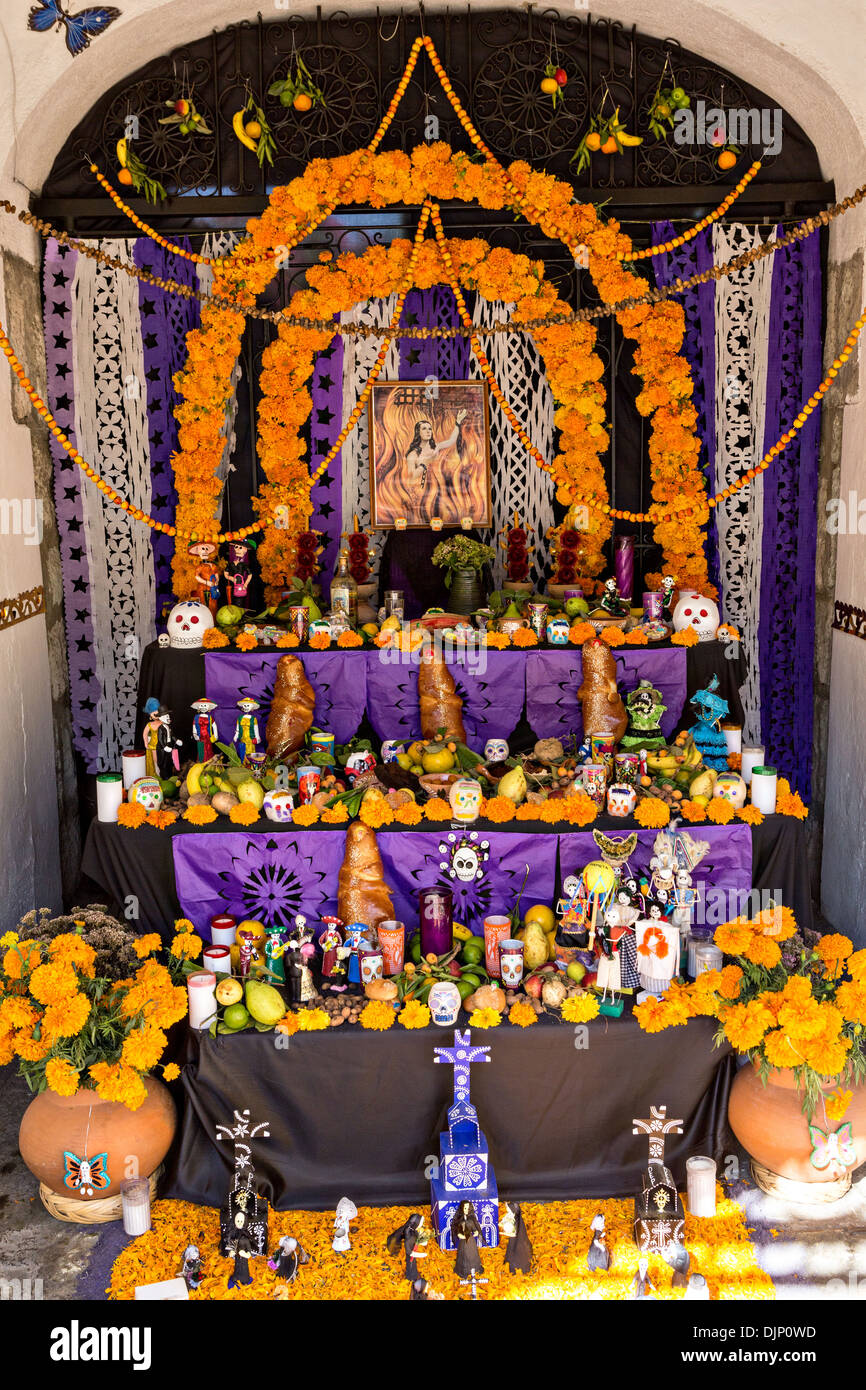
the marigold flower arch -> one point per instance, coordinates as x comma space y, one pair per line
575, 371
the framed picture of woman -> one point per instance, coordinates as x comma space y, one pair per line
429, 453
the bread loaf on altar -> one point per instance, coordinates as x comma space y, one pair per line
362, 893
603, 711
291, 710
441, 706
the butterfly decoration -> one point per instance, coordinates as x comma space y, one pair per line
835, 1147
80, 28
86, 1175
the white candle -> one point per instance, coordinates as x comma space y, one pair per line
201, 990
134, 766
218, 959
764, 789
135, 1202
733, 737
752, 758
109, 796
701, 1186
707, 957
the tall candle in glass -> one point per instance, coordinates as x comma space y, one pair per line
135, 1204
201, 992
701, 1185
436, 916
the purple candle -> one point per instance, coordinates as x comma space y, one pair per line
436, 915
623, 561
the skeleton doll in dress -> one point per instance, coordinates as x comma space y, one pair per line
238, 572
518, 1251
246, 735
346, 1213
204, 728
642, 1286
193, 1267
411, 1238
287, 1259
466, 1234
598, 1255
207, 576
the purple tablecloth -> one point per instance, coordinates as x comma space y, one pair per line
552, 679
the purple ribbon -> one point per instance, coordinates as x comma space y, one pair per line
552, 680
326, 421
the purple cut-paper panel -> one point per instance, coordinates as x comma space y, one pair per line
326, 420
266, 877
553, 677
85, 688
338, 679
489, 683
723, 877
483, 870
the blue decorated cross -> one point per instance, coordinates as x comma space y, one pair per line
461, 1056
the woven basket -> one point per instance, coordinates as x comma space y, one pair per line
790, 1190
92, 1213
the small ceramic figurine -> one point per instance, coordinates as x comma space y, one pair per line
204, 728
411, 1238
613, 605
518, 1251
334, 953
275, 949
423, 1292
669, 584
685, 899
238, 572
150, 733
306, 951
193, 1267
241, 1271
466, 1234
287, 1259
168, 749
642, 1286
677, 1256
707, 732
697, 1289
598, 1255
346, 1213
354, 935
207, 576
645, 708
246, 735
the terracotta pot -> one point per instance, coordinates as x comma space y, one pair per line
771, 1126
53, 1125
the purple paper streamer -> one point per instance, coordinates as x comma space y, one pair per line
325, 423
553, 709
338, 679
492, 693
443, 359
85, 689
165, 321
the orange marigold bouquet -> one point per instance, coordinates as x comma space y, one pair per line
85, 1006
791, 1001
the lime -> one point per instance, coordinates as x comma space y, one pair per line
236, 1016
468, 978
465, 987
415, 949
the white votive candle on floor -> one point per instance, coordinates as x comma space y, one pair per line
733, 737
135, 1201
134, 766
752, 758
764, 782
201, 991
109, 796
701, 1186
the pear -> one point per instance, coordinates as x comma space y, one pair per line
513, 785
535, 946
313, 610
264, 1003
251, 791
512, 611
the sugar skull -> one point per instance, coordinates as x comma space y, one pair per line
467, 858
465, 797
187, 623
147, 792
443, 1002
621, 799
557, 631
731, 787
278, 806
163, 640
699, 613
496, 750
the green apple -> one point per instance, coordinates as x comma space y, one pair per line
573, 606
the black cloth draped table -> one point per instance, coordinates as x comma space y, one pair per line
358, 1114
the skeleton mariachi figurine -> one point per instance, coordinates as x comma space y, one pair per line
238, 572
204, 728
207, 576
611, 602
246, 735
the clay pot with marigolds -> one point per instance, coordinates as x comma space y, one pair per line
771, 1126
85, 1126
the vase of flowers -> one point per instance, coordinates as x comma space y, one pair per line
84, 1008
463, 560
793, 1005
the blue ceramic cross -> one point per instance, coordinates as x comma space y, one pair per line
461, 1056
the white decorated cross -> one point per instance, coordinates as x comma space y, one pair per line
656, 1127
460, 1057
240, 1131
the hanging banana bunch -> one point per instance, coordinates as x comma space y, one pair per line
132, 173
252, 128
606, 135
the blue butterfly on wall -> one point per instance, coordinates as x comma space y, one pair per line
80, 28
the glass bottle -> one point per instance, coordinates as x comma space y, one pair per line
344, 591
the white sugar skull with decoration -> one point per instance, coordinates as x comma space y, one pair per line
187, 623
699, 613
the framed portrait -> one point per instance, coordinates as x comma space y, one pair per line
429, 453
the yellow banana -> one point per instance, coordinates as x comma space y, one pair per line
238, 128
460, 933
625, 139
122, 153
193, 778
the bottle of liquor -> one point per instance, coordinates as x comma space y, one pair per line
344, 591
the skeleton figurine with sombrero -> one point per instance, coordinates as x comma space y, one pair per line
246, 735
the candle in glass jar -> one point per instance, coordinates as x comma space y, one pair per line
707, 957
764, 782
752, 758
701, 1186
222, 931
623, 563
135, 1202
436, 914
201, 992
217, 959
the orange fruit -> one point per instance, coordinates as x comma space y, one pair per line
124, 177
727, 159
253, 130
610, 146
549, 85
302, 102
593, 140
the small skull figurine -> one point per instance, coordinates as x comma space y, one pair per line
164, 640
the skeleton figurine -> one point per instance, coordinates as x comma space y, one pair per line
346, 1213
238, 572
193, 1267
204, 728
685, 899
663, 863
207, 576
613, 605
669, 584
246, 735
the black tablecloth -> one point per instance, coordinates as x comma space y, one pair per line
177, 677
358, 1114
138, 863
